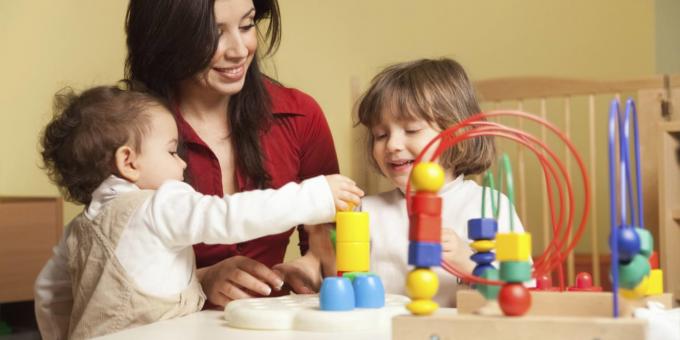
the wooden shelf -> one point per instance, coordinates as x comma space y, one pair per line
29, 228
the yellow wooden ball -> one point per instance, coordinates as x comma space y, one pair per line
427, 176
422, 284
422, 307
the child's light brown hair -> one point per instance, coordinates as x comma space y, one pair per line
437, 91
78, 145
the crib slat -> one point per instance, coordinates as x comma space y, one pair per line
547, 230
521, 169
594, 248
567, 164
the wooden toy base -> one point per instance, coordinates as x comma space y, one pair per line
578, 304
553, 315
302, 313
454, 327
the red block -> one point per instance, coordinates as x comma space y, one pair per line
654, 260
425, 228
426, 203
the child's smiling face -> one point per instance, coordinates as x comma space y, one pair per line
396, 144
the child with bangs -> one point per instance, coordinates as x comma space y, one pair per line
406, 106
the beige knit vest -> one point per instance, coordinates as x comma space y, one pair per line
105, 298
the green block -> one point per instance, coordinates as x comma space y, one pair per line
352, 275
646, 241
515, 271
632, 273
488, 291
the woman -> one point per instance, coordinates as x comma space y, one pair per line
241, 130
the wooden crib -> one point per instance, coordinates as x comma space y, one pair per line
580, 109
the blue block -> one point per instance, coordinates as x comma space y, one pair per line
483, 257
482, 228
337, 294
369, 291
424, 254
481, 268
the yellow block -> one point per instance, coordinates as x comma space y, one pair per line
352, 226
353, 256
483, 245
655, 286
513, 246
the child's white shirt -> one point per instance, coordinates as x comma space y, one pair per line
155, 247
389, 225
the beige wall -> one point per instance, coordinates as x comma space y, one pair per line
667, 36
48, 44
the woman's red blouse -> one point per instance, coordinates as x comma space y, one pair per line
297, 146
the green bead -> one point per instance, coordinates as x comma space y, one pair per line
646, 241
515, 271
632, 273
489, 292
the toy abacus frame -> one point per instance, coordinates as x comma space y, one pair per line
478, 126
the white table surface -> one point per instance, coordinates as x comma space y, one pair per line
210, 324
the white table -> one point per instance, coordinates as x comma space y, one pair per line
211, 325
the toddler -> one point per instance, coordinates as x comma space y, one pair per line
127, 259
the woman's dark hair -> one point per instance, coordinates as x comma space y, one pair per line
78, 145
171, 40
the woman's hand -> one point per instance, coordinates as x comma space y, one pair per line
456, 251
236, 278
304, 275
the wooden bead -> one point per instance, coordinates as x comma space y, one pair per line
422, 284
632, 273
427, 176
422, 307
483, 245
514, 299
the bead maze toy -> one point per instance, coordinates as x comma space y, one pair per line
354, 300
545, 311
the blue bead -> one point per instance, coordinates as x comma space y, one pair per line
482, 228
628, 242
481, 268
337, 294
424, 254
483, 257
369, 291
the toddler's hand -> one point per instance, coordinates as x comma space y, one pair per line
456, 251
345, 191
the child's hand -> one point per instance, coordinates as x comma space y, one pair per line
456, 251
345, 191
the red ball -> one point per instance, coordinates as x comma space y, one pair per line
514, 299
